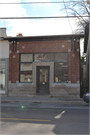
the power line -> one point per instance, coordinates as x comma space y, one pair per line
41, 17
41, 2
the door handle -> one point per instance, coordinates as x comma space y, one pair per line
43, 83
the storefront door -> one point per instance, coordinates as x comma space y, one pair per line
43, 79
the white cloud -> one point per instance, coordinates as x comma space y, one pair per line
33, 27
12, 10
40, 27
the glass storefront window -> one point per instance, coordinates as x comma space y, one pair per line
26, 77
60, 65
43, 75
43, 57
2, 74
26, 67
61, 72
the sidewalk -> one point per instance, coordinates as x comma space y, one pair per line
41, 99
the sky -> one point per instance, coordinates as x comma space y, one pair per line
35, 27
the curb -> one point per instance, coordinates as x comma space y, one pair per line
61, 102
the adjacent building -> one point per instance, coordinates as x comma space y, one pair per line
40, 65
87, 51
4, 62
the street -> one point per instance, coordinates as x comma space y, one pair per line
50, 119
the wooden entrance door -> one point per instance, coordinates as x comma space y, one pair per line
42, 79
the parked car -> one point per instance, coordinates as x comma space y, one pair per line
86, 97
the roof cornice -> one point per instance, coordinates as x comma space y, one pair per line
46, 37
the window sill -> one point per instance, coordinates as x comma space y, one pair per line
25, 82
60, 82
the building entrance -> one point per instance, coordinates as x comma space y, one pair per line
43, 79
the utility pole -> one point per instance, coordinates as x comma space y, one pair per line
88, 2
89, 48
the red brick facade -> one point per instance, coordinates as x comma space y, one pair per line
46, 46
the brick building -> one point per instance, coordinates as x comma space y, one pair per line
44, 65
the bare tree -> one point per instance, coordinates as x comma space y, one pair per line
78, 8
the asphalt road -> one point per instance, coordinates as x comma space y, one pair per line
47, 119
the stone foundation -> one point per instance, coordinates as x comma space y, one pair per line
65, 90
21, 90
57, 90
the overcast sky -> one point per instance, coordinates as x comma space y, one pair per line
36, 26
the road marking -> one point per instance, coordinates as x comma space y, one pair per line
60, 115
24, 119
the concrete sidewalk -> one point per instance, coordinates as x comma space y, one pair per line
41, 99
